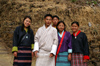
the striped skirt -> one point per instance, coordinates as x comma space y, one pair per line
24, 57
62, 59
77, 60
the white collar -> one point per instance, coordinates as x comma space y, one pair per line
61, 34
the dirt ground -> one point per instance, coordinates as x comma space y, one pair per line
6, 57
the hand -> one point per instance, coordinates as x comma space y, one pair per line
69, 57
15, 54
32, 54
51, 55
36, 53
85, 60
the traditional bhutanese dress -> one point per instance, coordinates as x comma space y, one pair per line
80, 49
46, 41
66, 48
22, 47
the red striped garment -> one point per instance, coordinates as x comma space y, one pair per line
77, 60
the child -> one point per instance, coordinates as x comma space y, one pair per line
55, 21
23, 41
80, 46
46, 41
63, 56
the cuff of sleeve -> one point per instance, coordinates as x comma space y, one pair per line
69, 50
15, 48
86, 57
32, 46
36, 47
54, 49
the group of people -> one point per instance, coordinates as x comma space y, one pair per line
52, 45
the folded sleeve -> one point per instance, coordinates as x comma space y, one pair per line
86, 57
32, 46
14, 49
36, 47
69, 50
54, 49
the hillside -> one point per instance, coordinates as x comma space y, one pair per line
83, 11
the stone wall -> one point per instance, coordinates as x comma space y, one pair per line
12, 13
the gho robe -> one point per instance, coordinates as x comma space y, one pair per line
46, 41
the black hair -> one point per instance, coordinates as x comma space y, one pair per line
59, 23
75, 22
55, 16
27, 17
47, 15
23, 23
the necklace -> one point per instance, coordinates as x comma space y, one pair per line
75, 36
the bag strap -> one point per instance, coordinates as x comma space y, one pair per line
59, 46
23, 37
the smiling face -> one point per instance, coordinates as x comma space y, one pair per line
55, 21
61, 27
74, 27
48, 20
27, 22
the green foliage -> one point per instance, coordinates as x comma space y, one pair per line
87, 2
74, 0
95, 2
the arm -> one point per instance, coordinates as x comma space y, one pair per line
36, 45
32, 39
70, 44
36, 39
15, 41
86, 48
55, 42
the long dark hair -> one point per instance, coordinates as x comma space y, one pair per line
23, 23
59, 23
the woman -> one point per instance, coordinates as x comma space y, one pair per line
23, 41
63, 56
80, 47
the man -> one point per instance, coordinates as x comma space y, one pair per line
55, 21
46, 42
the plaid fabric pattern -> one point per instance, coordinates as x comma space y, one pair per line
77, 60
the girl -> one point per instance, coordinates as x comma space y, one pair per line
64, 50
80, 47
23, 41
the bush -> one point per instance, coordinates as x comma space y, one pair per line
95, 2
74, 0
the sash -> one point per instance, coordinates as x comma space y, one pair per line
59, 47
